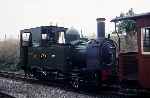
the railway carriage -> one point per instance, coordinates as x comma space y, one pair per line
135, 65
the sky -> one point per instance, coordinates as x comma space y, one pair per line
16, 15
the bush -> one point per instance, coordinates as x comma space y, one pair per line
9, 54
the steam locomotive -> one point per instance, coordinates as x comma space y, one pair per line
58, 53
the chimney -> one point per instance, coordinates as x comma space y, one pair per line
100, 27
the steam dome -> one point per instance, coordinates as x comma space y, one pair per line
72, 34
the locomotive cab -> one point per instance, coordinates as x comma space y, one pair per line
43, 47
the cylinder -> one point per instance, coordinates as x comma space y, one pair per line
100, 27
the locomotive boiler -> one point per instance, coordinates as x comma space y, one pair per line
58, 53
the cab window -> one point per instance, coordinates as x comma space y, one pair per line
26, 36
44, 36
61, 38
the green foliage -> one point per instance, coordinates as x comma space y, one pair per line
128, 42
127, 25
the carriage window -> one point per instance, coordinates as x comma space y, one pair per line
26, 36
146, 40
44, 36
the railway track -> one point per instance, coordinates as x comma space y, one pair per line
4, 95
18, 76
111, 91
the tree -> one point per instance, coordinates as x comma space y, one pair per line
128, 27
130, 12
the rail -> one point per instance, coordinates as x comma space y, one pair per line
109, 91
